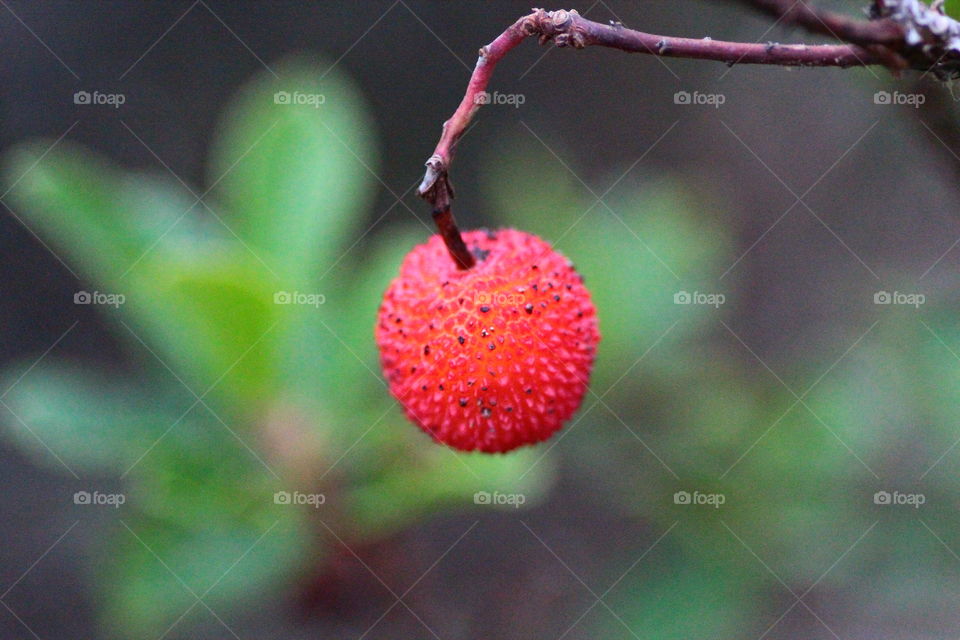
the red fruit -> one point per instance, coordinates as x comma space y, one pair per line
493, 357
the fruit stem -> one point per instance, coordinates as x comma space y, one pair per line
447, 227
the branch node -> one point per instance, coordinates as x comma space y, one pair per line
435, 182
929, 38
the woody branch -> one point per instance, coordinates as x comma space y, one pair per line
903, 34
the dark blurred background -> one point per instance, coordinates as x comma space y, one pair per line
878, 212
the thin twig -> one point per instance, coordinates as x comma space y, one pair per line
904, 34
827, 23
882, 37
568, 28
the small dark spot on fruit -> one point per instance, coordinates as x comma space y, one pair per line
485, 412
493, 403
398, 320
461, 339
556, 298
483, 388
534, 287
413, 369
423, 388
543, 304
569, 287
431, 326
445, 283
580, 314
534, 267
529, 390
463, 402
508, 409
460, 300
479, 253
484, 333
440, 387
528, 308
492, 346
484, 309
470, 383
426, 350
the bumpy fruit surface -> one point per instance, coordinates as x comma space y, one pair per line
493, 357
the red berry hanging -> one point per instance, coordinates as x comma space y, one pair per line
490, 357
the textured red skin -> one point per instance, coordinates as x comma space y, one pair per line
488, 380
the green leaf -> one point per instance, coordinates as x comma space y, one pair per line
90, 422
198, 300
215, 317
201, 517
297, 177
232, 564
103, 222
330, 348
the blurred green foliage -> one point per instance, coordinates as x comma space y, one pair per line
679, 404
235, 397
